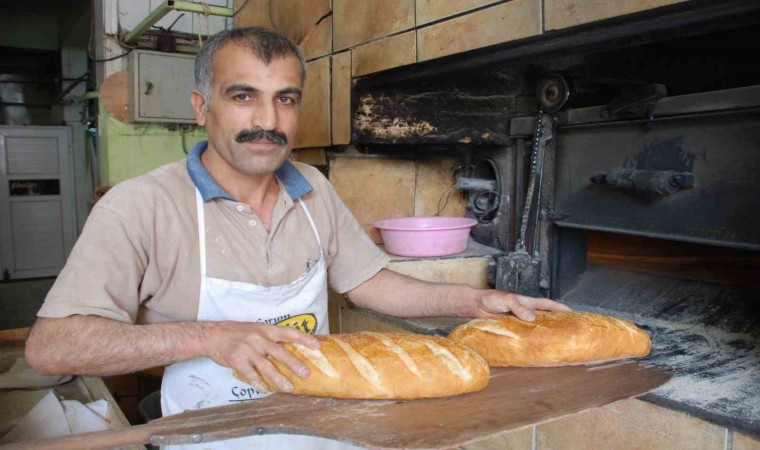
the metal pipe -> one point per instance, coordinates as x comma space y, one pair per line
172, 5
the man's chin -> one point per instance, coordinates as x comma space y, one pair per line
260, 168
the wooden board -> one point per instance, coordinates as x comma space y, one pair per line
513, 399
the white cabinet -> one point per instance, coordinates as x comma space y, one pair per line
37, 220
159, 87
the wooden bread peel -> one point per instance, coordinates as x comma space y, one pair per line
514, 398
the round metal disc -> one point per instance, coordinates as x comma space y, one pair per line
553, 93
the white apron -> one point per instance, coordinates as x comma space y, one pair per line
201, 383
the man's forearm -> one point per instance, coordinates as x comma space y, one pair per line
91, 345
398, 295
394, 294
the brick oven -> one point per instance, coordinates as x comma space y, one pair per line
610, 152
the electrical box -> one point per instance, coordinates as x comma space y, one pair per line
159, 87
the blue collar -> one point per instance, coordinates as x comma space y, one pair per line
295, 183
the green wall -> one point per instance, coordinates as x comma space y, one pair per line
129, 150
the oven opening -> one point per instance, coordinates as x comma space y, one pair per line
698, 302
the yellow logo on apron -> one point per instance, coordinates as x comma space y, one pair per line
304, 322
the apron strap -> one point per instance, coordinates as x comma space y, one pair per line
201, 233
311, 222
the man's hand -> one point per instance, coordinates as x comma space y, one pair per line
493, 303
246, 347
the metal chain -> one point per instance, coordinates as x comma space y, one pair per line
531, 183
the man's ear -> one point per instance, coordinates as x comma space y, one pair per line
199, 105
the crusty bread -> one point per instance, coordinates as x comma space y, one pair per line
554, 339
386, 366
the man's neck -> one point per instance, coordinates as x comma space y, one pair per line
258, 191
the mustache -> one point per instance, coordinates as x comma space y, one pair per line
260, 134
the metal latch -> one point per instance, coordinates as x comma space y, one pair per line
659, 181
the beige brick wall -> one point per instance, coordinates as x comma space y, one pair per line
494, 25
382, 188
377, 35
316, 106
744, 442
569, 13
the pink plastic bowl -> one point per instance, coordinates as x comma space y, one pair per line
425, 236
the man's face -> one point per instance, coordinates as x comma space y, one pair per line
254, 109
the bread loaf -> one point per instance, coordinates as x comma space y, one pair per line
385, 366
554, 339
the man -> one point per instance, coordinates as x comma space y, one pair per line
193, 265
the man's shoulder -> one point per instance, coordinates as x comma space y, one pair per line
169, 182
313, 175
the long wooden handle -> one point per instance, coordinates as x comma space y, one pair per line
514, 398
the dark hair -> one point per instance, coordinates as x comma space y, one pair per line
265, 44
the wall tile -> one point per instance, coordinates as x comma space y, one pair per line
567, 13
744, 442
374, 188
296, 19
314, 129
318, 42
394, 51
341, 98
355, 22
254, 14
514, 440
501, 23
630, 425
312, 156
470, 271
430, 10
434, 183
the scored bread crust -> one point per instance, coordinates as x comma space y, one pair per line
556, 338
369, 365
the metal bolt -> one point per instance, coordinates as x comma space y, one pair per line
543, 284
197, 438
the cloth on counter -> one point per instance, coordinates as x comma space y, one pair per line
85, 418
52, 418
21, 376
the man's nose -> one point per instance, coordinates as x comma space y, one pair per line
266, 116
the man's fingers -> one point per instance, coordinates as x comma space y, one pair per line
522, 306
544, 304
288, 334
522, 310
293, 364
270, 372
248, 374
258, 384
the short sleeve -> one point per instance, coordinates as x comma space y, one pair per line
103, 273
354, 257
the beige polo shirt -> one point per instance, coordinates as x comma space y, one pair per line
137, 259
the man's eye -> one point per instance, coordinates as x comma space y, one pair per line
287, 100
241, 97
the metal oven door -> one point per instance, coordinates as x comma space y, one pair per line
692, 173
